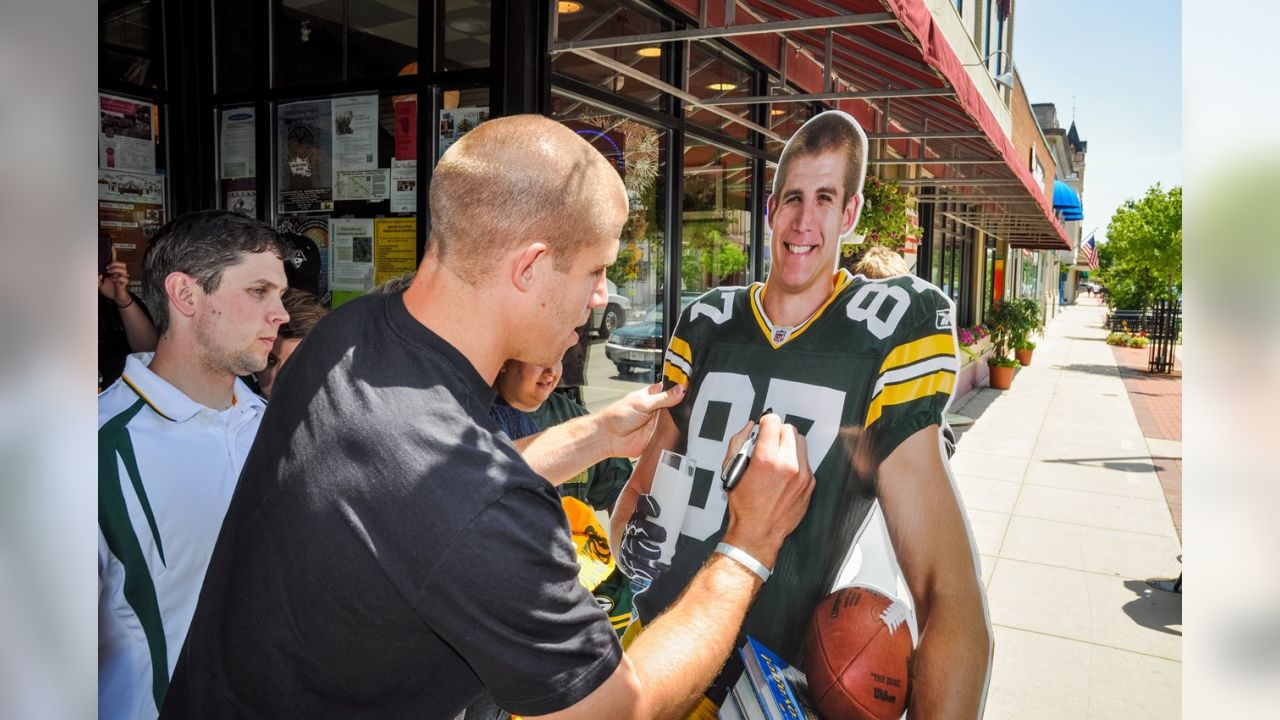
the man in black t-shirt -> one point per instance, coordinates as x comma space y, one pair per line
389, 553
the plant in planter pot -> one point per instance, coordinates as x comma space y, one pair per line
884, 219
1005, 322
1030, 319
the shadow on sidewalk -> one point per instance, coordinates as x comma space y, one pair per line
1115, 463
1154, 609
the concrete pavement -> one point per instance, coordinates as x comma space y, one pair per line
1070, 521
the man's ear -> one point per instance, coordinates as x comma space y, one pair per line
852, 210
527, 265
182, 289
770, 209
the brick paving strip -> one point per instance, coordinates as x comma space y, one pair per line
1157, 404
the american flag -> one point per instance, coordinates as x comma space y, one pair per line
1090, 249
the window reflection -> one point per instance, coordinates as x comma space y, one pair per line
713, 76
716, 220
466, 34
626, 335
129, 44
591, 19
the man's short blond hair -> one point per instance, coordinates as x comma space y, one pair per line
878, 262
830, 131
517, 180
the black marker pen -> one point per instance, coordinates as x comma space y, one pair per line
737, 465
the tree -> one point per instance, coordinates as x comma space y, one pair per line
1141, 262
708, 259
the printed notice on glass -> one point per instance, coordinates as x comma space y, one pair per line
404, 186
303, 157
456, 123
406, 127
367, 185
395, 247
238, 146
130, 211
126, 135
351, 255
355, 133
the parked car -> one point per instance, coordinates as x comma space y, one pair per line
608, 318
637, 347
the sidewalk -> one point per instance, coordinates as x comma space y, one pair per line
1070, 520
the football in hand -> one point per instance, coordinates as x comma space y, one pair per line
858, 655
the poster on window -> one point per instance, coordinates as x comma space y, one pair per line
130, 211
126, 135
303, 160
238, 145
351, 255
355, 133
406, 127
404, 186
366, 185
316, 228
458, 122
395, 246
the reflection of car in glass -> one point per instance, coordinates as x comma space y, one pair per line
637, 347
606, 319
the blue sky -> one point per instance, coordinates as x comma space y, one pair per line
1122, 62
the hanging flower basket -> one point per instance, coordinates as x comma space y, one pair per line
885, 220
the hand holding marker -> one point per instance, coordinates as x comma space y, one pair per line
737, 465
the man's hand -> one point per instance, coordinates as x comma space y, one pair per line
639, 550
629, 421
114, 285
773, 495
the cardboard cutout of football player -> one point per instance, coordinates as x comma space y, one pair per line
865, 369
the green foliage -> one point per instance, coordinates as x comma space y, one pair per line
884, 217
1133, 340
1141, 262
1002, 361
1012, 321
707, 258
1024, 345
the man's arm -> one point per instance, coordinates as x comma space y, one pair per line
620, 430
678, 655
930, 537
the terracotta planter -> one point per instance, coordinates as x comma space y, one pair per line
1024, 356
1001, 377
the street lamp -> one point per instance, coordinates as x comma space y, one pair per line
1005, 78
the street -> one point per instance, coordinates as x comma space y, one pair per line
604, 383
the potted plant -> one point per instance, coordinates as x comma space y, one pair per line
1005, 322
1030, 319
885, 218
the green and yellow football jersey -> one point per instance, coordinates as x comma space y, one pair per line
875, 364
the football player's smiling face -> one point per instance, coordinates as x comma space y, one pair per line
807, 216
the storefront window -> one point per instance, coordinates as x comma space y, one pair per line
770, 169
130, 46
626, 336
324, 41
467, 29
382, 38
590, 19
717, 219
712, 75
237, 52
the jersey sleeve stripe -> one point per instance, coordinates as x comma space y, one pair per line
942, 381
928, 346
674, 374
681, 349
924, 367
680, 363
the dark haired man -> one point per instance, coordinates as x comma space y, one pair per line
173, 433
866, 367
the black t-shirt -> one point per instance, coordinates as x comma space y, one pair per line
387, 552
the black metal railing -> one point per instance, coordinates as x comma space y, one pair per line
1164, 328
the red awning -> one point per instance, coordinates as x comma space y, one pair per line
951, 132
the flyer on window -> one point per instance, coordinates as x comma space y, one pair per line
355, 133
316, 228
406, 107
126, 135
367, 185
238, 145
395, 248
130, 211
404, 186
458, 122
303, 159
351, 255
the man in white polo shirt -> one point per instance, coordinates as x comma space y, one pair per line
173, 433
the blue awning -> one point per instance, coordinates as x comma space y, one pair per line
1072, 214
1064, 197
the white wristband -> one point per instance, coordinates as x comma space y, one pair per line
744, 558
